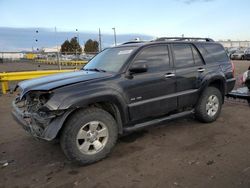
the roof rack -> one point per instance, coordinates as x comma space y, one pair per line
132, 42
184, 39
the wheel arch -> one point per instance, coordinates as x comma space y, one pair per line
218, 82
112, 107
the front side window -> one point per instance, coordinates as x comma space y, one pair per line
155, 57
111, 59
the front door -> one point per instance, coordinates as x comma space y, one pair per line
151, 93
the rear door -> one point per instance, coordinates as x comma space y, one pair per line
189, 67
151, 93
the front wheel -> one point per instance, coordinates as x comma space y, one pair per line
89, 136
209, 105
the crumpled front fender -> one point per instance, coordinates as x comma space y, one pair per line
55, 126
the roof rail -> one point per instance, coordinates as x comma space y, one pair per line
184, 39
132, 42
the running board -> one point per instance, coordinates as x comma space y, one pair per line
157, 121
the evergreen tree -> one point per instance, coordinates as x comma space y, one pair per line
71, 47
65, 47
91, 46
75, 46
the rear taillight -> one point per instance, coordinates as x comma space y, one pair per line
233, 68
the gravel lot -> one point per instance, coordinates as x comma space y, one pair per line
183, 153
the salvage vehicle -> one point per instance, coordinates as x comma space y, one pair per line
123, 89
231, 50
238, 55
247, 54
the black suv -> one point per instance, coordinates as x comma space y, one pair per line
125, 88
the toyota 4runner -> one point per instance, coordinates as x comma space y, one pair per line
122, 89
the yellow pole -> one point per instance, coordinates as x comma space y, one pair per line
5, 87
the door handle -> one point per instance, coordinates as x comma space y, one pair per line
169, 75
201, 69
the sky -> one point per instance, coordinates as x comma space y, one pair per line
218, 19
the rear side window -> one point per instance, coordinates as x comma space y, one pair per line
213, 53
183, 55
156, 58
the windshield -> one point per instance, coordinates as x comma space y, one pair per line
240, 52
111, 59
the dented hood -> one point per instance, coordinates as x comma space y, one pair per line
51, 82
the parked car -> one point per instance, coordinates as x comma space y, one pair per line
247, 54
238, 55
86, 57
231, 50
123, 89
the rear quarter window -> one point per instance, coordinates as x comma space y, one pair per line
213, 53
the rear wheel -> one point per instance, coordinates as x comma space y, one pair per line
209, 105
89, 135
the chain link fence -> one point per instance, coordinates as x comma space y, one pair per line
46, 57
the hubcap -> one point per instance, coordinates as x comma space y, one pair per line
212, 105
92, 137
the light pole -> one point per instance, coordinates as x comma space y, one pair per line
78, 43
36, 41
77, 35
57, 54
100, 40
114, 35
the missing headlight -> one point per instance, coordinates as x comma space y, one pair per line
35, 101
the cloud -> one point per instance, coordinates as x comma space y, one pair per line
195, 1
17, 39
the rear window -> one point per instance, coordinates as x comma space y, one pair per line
213, 53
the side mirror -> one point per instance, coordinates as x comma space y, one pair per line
138, 67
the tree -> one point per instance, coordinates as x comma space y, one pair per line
65, 47
71, 47
75, 46
91, 46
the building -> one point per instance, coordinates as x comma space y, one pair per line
11, 55
51, 50
236, 44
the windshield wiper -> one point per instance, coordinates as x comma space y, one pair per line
95, 69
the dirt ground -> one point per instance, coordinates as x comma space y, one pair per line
182, 153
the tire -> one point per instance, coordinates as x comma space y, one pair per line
209, 105
80, 139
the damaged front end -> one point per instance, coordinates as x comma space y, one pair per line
32, 113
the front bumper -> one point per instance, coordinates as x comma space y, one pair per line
42, 128
26, 121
